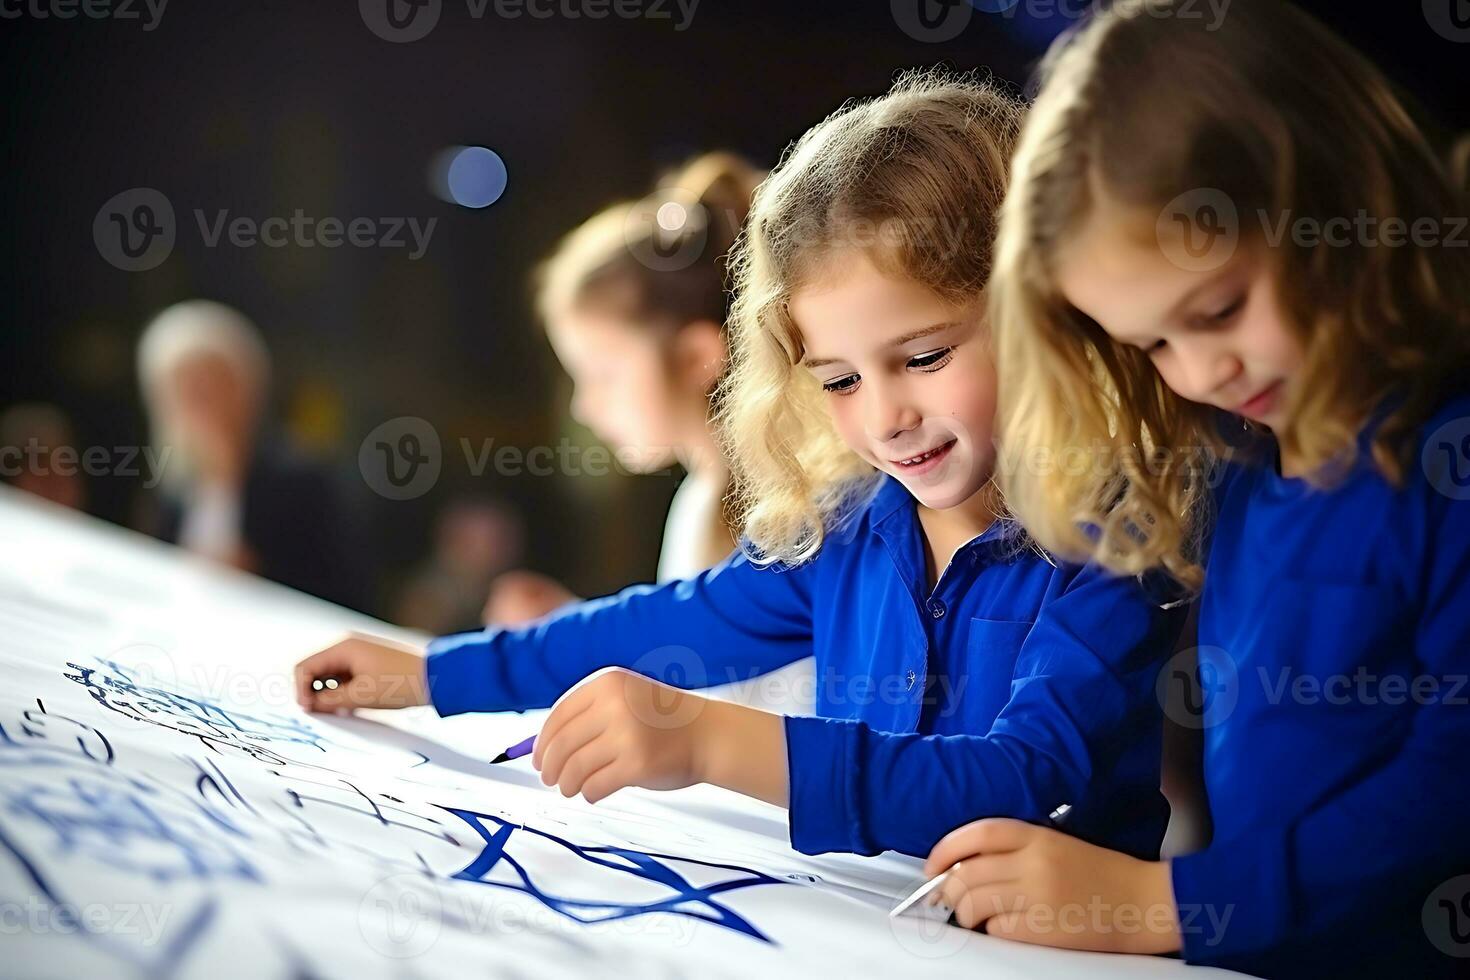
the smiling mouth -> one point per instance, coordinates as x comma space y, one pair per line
925, 456
1260, 401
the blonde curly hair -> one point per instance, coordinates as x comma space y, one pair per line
913, 179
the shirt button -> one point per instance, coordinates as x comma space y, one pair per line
936, 608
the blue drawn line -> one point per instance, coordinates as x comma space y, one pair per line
639, 864
164, 965
115, 688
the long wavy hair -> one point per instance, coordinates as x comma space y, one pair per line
913, 179
1273, 110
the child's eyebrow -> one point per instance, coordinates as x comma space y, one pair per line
923, 332
912, 335
1184, 301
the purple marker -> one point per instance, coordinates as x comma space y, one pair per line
516, 751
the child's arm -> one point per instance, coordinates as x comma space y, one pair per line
728, 623
852, 788
1082, 691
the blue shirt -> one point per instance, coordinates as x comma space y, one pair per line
1340, 793
1013, 687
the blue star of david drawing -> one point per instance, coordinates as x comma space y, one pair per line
629, 862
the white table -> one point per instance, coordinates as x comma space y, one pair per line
165, 809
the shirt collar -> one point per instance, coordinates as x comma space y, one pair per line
893, 507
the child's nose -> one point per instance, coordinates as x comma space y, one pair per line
1210, 372
888, 416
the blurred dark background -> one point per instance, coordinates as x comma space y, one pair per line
263, 108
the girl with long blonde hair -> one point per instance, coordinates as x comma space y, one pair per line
1233, 281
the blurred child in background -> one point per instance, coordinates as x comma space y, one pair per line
634, 303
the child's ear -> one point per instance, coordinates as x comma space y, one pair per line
700, 354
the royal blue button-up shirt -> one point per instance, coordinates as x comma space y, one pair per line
1334, 654
1013, 686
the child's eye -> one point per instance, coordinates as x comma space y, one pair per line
1221, 315
842, 385
933, 361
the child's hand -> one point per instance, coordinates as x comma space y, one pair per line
372, 673
1038, 885
518, 597
617, 728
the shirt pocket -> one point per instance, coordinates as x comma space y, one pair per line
992, 649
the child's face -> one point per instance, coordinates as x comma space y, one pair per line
908, 377
621, 388
1217, 336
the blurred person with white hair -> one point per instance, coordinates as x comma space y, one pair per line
227, 493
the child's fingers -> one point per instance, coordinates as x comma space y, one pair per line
587, 761
606, 781
973, 872
973, 906
965, 877
562, 714
566, 742
1009, 925
334, 661
980, 837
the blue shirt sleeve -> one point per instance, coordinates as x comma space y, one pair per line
1083, 685
1372, 851
730, 622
